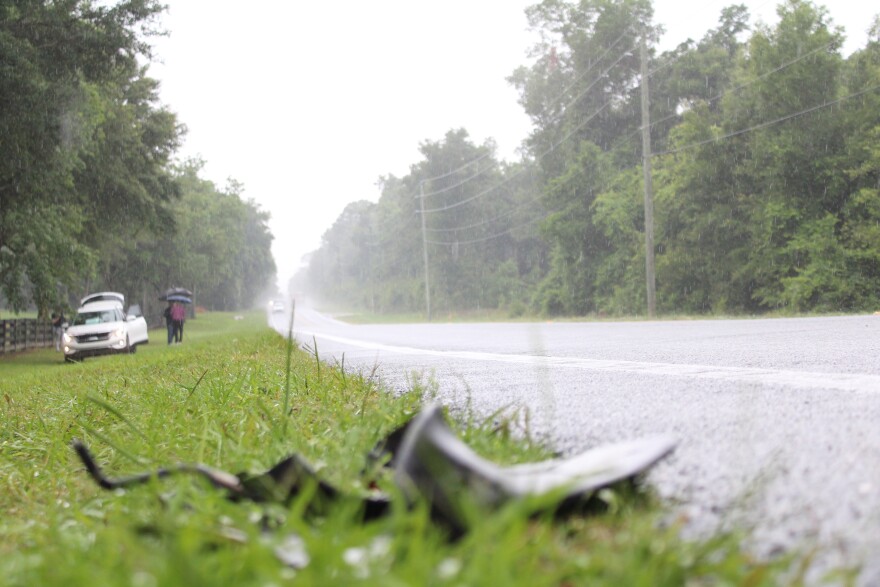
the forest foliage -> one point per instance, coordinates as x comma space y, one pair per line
766, 174
91, 197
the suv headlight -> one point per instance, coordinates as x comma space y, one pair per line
119, 332
66, 338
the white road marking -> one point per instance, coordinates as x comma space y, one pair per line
864, 383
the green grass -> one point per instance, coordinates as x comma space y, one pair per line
10, 315
220, 399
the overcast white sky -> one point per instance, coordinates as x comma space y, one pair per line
309, 103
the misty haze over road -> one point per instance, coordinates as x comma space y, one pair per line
777, 419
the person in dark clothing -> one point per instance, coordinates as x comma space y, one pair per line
178, 316
58, 329
169, 321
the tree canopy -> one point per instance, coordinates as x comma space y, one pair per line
766, 178
89, 193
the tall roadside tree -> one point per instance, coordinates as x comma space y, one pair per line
221, 246
860, 211
462, 189
765, 194
579, 94
125, 185
701, 219
62, 69
788, 170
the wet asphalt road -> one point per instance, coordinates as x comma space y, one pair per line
778, 421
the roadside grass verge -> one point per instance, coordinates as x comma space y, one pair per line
219, 399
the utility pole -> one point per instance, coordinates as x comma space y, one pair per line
649, 196
425, 249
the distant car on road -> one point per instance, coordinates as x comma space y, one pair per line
277, 307
100, 327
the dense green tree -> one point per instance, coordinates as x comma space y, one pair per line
570, 227
586, 64
462, 190
221, 248
787, 170
701, 219
579, 94
57, 62
860, 215
480, 219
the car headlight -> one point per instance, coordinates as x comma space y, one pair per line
67, 338
119, 332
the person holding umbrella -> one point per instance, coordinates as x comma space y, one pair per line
175, 313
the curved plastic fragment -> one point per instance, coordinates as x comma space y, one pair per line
434, 463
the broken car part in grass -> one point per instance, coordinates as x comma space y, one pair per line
430, 463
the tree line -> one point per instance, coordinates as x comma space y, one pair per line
766, 175
91, 197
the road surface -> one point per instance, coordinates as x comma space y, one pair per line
778, 420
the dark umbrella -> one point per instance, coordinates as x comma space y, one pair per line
178, 298
177, 291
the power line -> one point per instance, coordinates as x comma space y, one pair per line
769, 123
670, 151
741, 86
560, 96
686, 147
590, 68
456, 185
507, 179
472, 198
490, 220
464, 166
557, 144
751, 14
552, 148
601, 76
487, 238
572, 102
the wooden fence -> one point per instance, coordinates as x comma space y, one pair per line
20, 335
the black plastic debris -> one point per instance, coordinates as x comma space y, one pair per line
431, 463
281, 484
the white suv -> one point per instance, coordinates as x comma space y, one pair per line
100, 327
